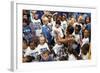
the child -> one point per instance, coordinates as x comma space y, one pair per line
36, 24
57, 31
43, 49
88, 26
76, 33
85, 40
34, 18
31, 51
85, 51
26, 58
46, 30
42, 46
72, 21
72, 54
78, 37
50, 19
64, 24
45, 56
80, 19
27, 32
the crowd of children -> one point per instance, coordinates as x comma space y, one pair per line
56, 36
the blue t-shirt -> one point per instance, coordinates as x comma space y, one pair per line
88, 27
47, 33
27, 33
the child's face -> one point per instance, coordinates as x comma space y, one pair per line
72, 21
45, 56
45, 20
59, 17
36, 16
63, 18
42, 40
76, 30
32, 45
49, 18
86, 33
70, 39
80, 18
87, 20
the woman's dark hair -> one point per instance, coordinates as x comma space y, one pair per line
70, 29
85, 48
79, 27
86, 19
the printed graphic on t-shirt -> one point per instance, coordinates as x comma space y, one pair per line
43, 50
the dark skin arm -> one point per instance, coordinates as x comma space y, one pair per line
62, 40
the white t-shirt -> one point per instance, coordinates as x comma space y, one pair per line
30, 52
57, 48
59, 30
77, 37
38, 21
37, 26
53, 24
71, 57
64, 25
41, 48
85, 57
34, 53
26, 51
38, 32
50, 25
85, 41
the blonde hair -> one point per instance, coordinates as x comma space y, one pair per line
42, 36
